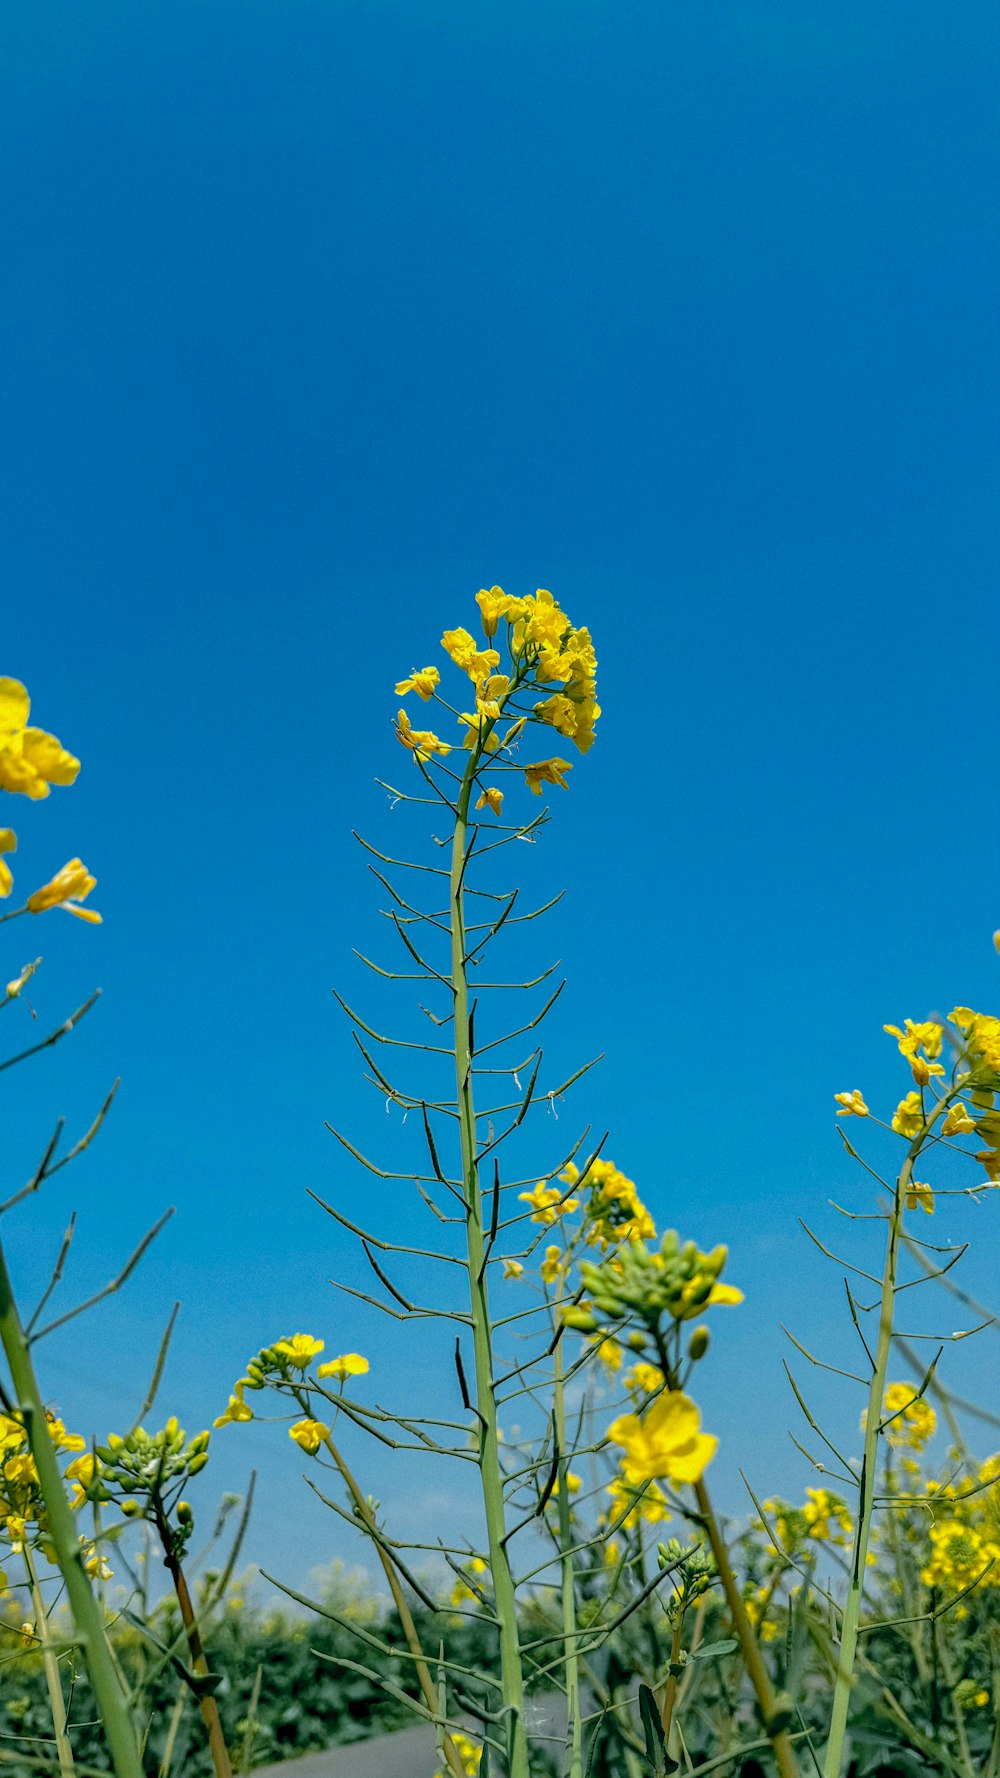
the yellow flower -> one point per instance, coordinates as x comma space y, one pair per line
666, 1441
644, 1379
852, 1104
512, 1268
68, 887
547, 771
299, 1350
909, 1116
478, 663
421, 742
551, 1264
422, 681
920, 1196
614, 1211
491, 799
958, 1555
912, 1420
629, 1505
95, 1564
573, 1484
63, 1440
309, 1434
478, 732
496, 605
30, 759
957, 1122
469, 1752
609, 1352
462, 1590
8, 843
548, 1203
826, 1516
81, 1473
349, 1364
237, 1409
14, 987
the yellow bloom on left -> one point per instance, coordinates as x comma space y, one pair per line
665, 1441
421, 681
422, 742
68, 887
299, 1350
31, 761
852, 1104
237, 1410
309, 1434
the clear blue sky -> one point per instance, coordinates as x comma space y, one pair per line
318, 317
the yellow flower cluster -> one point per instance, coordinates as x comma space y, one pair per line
909, 1421
22, 1509
823, 1518
469, 1752
960, 1555
631, 1505
286, 1362
544, 649
31, 761
613, 1211
548, 1203
921, 1045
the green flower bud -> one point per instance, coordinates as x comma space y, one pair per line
698, 1344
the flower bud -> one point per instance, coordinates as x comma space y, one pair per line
698, 1343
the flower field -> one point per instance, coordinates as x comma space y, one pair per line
849, 1633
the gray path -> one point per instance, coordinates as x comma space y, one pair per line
409, 1753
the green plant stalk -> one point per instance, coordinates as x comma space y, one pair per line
571, 1670
206, 1701
367, 1517
753, 1660
53, 1680
108, 1694
491, 1475
851, 1622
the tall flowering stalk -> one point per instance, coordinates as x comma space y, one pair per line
532, 674
937, 1110
32, 761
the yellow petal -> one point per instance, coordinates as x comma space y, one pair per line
15, 706
690, 1463
49, 758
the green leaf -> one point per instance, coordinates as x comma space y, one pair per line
658, 1761
709, 1650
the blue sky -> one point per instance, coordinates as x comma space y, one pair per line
316, 318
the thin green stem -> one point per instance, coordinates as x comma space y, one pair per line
571, 1673
108, 1694
491, 1475
851, 1621
53, 1678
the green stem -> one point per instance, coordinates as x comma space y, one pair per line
571, 1670
53, 1679
61, 1524
363, 1507
851, 1623
491, 1475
